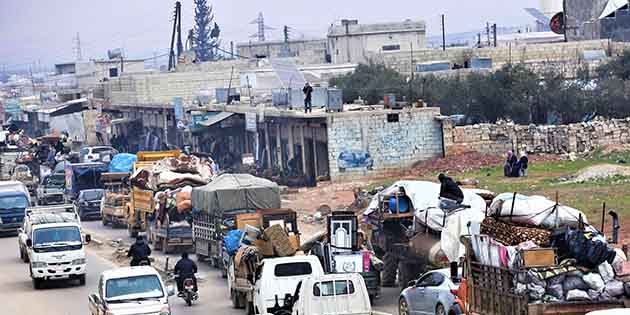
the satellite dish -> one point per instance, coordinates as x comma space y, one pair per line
114, 53
557, 23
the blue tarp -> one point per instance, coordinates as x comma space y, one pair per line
232, 242
122, 163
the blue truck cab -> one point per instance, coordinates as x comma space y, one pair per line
14, 199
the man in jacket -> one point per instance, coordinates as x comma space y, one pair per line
308, 91
185, 269
139, 251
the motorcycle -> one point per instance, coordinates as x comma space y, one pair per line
189, 295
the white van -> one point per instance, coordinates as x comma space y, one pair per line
51, 242
131, 290
338, 294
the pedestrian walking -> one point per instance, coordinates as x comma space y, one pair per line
308, 91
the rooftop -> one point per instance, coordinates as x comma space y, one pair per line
379, 28
280, 42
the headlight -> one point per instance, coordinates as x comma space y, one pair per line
80, 261
38, 264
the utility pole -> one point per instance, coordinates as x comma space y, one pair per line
443, 34
286, 34
178, 13
260, 22
494, 29
171, 56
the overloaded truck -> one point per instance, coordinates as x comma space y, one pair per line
407, 224
344, 249
217, 205
141, 204
115, 199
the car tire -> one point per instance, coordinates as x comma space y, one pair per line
439, 310
104, 220
403, 307
81, 280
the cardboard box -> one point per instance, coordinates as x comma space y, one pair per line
252, 219
294, 240
280, 241
266, 249
539, 257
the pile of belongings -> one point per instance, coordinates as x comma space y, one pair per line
424, 202
582, 266
174, 207
173, 173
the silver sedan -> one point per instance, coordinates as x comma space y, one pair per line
431, 294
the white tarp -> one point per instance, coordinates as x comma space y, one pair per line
612, 6
534, 210
425, 204
71, 123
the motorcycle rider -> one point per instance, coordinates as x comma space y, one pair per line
139, 251
185, 269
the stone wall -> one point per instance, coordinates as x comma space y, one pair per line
371, 144
499, 138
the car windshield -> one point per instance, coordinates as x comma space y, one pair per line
101, 150
56, 236
13, 202
92, 194
56, 181
133, 288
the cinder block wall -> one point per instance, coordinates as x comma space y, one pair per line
392, 147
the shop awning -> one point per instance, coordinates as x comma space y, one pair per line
211, 120
612, 6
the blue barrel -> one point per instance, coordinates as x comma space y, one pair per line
403, 203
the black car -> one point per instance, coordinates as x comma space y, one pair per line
88, 204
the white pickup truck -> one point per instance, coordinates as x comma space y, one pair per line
50, 240
275, 280
131, 290
332, 294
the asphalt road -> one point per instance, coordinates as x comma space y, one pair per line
67, 298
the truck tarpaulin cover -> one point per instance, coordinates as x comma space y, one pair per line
236, 191
122, 163
534, 210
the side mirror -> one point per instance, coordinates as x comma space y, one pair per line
170, 290
29, 243
88, 238
95, 299
411, 283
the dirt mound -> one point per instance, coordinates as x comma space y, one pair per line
601, 171
465, 161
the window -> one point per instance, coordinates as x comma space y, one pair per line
393, 118
137, 287
113, 72
50, 236
293, 269
433, 279
101, 150
13, 202
326, 288
391, 47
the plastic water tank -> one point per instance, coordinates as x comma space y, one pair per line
394, 203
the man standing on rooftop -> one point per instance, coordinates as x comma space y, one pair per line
308, 90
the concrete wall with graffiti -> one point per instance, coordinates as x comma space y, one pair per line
381, 143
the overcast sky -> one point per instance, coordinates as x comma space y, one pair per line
43, 30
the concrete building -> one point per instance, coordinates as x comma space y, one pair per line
306, 51
352, 42
341, 146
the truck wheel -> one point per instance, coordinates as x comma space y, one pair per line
249, 308
165, 248
132, 233
81, 280
388, 276
104, 220
237, 300
37, 283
